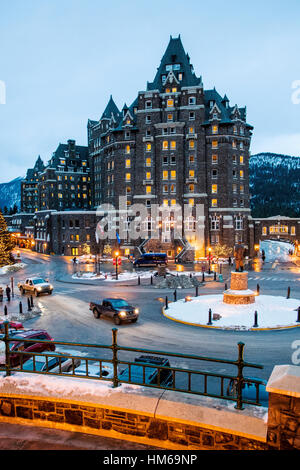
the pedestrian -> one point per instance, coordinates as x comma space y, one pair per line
74, 260
229, 260
8, 293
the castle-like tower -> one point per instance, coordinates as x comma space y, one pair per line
176, 144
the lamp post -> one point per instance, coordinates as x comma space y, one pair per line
209, 251
116, 261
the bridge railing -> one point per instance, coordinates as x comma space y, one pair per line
158, 373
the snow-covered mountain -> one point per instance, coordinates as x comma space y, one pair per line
10, 193
274, 185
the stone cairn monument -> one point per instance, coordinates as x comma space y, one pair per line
239, 293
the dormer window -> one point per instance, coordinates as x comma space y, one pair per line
180, 76
163, 78
148, 104
192, 100
174, 90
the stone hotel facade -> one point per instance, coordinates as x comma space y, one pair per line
178, 145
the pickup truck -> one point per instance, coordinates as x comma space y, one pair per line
117, 309
36, 286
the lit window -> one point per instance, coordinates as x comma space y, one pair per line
60, 195
214, 202
264, 231
191, 130
293, 230
165, 202
191, 188
165, 175
165, 188
170, 117
170, 103
148, 161
215, 129
165, 145
234, 144
235, 130
148, 189
173, 188
241, 188
214, 144
128, 189
174, 90
180, 77
241, 159
191, 144
191, 202
214, 158
173, 145
128, 176
173, 202
241, 173
191, 173
128, 163
191, 159
214, 188
127, 148
173, 174
148, 147
168, 90
83, 163
148, 175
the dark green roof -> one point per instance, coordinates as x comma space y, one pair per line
175, 54
111, 109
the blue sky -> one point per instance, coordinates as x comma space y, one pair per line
61, 59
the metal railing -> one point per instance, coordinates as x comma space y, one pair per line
179, 379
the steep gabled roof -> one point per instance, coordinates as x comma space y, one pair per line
111, 109
175, 54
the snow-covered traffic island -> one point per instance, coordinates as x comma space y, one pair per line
272, 313
238, 308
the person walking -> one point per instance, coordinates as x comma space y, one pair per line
8, 290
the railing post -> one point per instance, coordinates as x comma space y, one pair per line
7, 356
288, 293
115, 356
240, 377
175, 295
255, 320
20, 307
209, 317
167, 303
298, 315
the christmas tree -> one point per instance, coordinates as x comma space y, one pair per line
6, 244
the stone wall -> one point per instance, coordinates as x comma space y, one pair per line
131, 426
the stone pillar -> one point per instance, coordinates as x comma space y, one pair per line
284, 408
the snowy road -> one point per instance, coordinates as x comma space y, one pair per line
66, 316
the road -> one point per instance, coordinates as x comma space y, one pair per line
66, 315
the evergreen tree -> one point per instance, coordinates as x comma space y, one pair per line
6, 244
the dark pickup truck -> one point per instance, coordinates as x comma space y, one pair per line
117, 309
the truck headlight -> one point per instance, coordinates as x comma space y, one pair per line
51, 287
39, 288
136, 310
122, 314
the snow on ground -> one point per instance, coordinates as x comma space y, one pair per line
276, 250
12, 268
67, 387
273, 312
133, 275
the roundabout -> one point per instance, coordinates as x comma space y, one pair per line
210, 311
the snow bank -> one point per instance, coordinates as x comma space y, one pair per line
11, 268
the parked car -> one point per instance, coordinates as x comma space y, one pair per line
151, 259
32, 346
118, 309
107, 370
51, 363
150, 376
36, 286
12, 325
249, 390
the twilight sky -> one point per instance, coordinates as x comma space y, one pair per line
61, 59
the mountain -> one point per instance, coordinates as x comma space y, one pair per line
274, 185
10, 193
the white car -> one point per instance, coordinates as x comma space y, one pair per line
51, 365
107, 369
